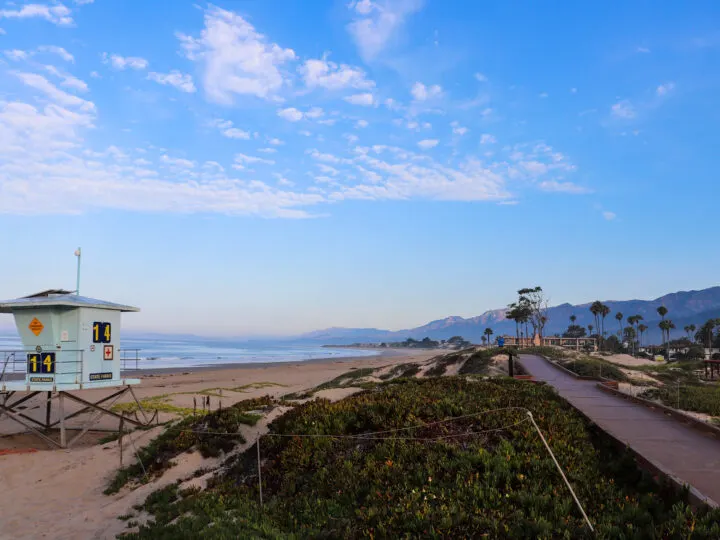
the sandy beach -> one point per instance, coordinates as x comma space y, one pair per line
52, 493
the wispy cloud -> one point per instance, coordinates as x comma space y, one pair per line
61, 52
420, 92
426, 144
665, 89
623, 109
57, 14
331, 76
236, 59
181, 81
563, 187
376, 23
125, 62
366, 99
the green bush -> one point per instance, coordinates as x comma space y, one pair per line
412, 483
702, 399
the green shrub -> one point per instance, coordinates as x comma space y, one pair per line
208, 433
411, 483
702, 399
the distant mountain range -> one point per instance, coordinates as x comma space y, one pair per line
684, 308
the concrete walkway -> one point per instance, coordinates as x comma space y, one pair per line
689, 454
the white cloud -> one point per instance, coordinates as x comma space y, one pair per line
457, 129
376, 23
124, 62
235, 133
305, 133
327, 169
642, 50
142, 161
325, 74
44, 170
57, 14
237, 60
328, 158
366, 99
177, 162
282, 181
361, 123
245, 159
486, 112
314, 112
2, 32
486, 138
352, 139
428, 143
95, 75
415, 125
267, 150
16, 54
480, 77
275, 141
562, 187
623, 109
420, 92
609, 216
665, 89
291, 114
83, 2
227, 129
181, 81
62, 53
54, 93
68, 80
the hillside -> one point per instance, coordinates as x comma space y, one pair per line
684, 307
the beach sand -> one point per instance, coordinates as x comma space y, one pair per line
52, 493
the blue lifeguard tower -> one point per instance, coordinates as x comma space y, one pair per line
70, 343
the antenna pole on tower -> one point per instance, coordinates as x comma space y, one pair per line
78, 254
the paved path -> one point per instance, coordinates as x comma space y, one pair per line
685, 452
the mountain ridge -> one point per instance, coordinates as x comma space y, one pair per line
684, 307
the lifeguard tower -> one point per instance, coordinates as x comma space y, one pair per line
70, 343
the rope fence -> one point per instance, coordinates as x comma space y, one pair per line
374, 437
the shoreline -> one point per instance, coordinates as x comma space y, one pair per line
226, 366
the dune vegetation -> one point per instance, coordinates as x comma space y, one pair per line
387, 463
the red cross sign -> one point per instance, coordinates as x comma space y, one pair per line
107, 352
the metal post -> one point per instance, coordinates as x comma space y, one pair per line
120, 438
78, 253
61, 405
48, 408
511, 369
259, 471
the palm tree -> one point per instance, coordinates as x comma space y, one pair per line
604, 311
573, 318
488, 332
641, 329
619, 317
665, 327
590, 329
692, 329
595, 309
632, 320
484, 339
662, 311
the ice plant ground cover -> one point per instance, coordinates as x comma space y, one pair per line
486, 474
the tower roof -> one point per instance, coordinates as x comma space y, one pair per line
62, 298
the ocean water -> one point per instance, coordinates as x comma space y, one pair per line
159, 353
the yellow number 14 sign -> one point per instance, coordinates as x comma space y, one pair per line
41, 363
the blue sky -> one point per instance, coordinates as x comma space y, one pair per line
248, 168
